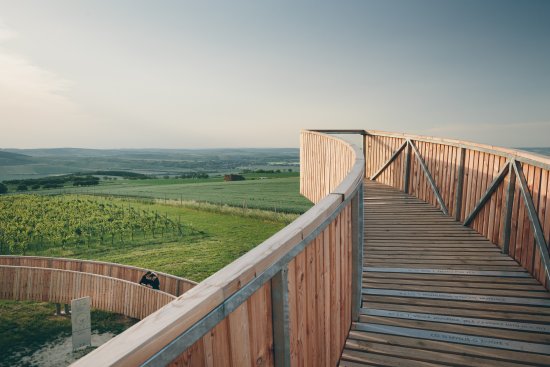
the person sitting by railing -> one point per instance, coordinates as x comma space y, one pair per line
150, 279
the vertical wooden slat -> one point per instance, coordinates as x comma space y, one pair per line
493, 216
320, 299
430, 153
301, 308
478, 179
311, 317
261, 332
500, 208
407, 171
543, 215
487, 178
220, 345
523, 226
534, 187
469, 186
239, 331
466, 192
423, 182
514, 224
445, 172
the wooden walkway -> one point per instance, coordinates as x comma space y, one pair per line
436, 293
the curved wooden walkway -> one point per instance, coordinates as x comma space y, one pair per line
436, 293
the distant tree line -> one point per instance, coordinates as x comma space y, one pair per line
123, 174
51, 182
264, 170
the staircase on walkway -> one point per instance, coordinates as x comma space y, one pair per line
436, 293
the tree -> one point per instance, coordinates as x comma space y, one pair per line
3, 188
22, 187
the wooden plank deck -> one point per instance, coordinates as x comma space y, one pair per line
436, 293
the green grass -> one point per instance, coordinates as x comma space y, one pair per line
48, 221
26, 326
275, 194
220, 235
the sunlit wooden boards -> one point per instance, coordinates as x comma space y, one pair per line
324, 163
438, 294
462, 172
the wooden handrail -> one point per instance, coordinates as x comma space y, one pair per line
470, 180
168, 283
24, 283
520, 155
222, 292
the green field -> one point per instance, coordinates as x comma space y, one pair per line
42, 222
34, 163
219, 236
26, 326
221, 222
274, 194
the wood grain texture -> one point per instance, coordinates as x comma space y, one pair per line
434, 318
168, 283
318, 281
22, 283
481, 165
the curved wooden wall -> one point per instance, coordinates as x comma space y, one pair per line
503, 194
168, 283
23, 283
324, 164
302, 277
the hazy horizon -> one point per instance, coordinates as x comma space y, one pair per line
244, 74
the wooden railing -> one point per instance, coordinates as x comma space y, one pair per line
503, 194
23, 283
168, 283
289, 301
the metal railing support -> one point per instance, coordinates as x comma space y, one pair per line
281, 318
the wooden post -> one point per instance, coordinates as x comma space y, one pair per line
357, 224
407, 173
459, 184
365, 152
510, 192
281, 318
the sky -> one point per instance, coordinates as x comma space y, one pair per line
200, 74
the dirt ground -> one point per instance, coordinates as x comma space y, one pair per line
59, 352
